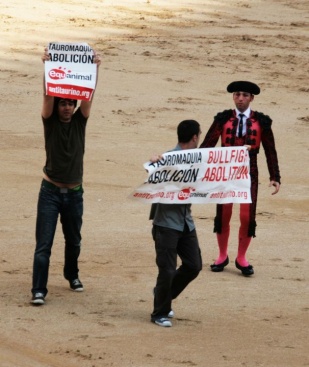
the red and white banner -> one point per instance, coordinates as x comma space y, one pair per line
71, 71
210, 175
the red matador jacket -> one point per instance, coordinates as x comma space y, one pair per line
258, 132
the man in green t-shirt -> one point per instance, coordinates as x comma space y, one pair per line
61, 192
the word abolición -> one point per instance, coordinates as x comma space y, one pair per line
72, 58
192, 175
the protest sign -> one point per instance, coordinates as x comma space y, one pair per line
71, 71
212, 175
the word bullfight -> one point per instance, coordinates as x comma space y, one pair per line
227, 156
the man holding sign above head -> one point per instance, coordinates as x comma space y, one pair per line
174, 235
70, 71
61, 191
242, 127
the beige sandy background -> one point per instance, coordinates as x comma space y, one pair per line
163, 61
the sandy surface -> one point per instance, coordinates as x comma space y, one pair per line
163, 61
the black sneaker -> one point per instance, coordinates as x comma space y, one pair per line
76, 285
38, 299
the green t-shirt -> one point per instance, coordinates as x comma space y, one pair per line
65, 148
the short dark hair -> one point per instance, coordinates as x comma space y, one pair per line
58, 99
186, 130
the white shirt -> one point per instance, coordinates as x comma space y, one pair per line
244, 119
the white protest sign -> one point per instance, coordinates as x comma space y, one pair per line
71, 71
211, 175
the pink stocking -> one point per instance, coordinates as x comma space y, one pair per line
243, 239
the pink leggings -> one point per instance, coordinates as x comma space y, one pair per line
243, 239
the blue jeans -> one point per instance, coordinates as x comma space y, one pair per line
51, 204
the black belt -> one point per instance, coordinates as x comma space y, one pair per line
61, 190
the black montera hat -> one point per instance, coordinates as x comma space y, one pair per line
243, 86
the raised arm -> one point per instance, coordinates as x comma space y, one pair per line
85, 106
48, 101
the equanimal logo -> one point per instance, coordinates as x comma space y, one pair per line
185, 193
57, 74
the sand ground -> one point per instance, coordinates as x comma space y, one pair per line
163, 61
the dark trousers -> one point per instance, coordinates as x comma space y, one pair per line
172, 281
51, 204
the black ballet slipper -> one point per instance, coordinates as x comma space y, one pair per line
219, 267
246, 270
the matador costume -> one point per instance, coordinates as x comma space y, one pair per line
228, 125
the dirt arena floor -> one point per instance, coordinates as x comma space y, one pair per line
162, 62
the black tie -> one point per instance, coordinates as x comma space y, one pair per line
241, 115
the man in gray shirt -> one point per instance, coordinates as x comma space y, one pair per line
174, 234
